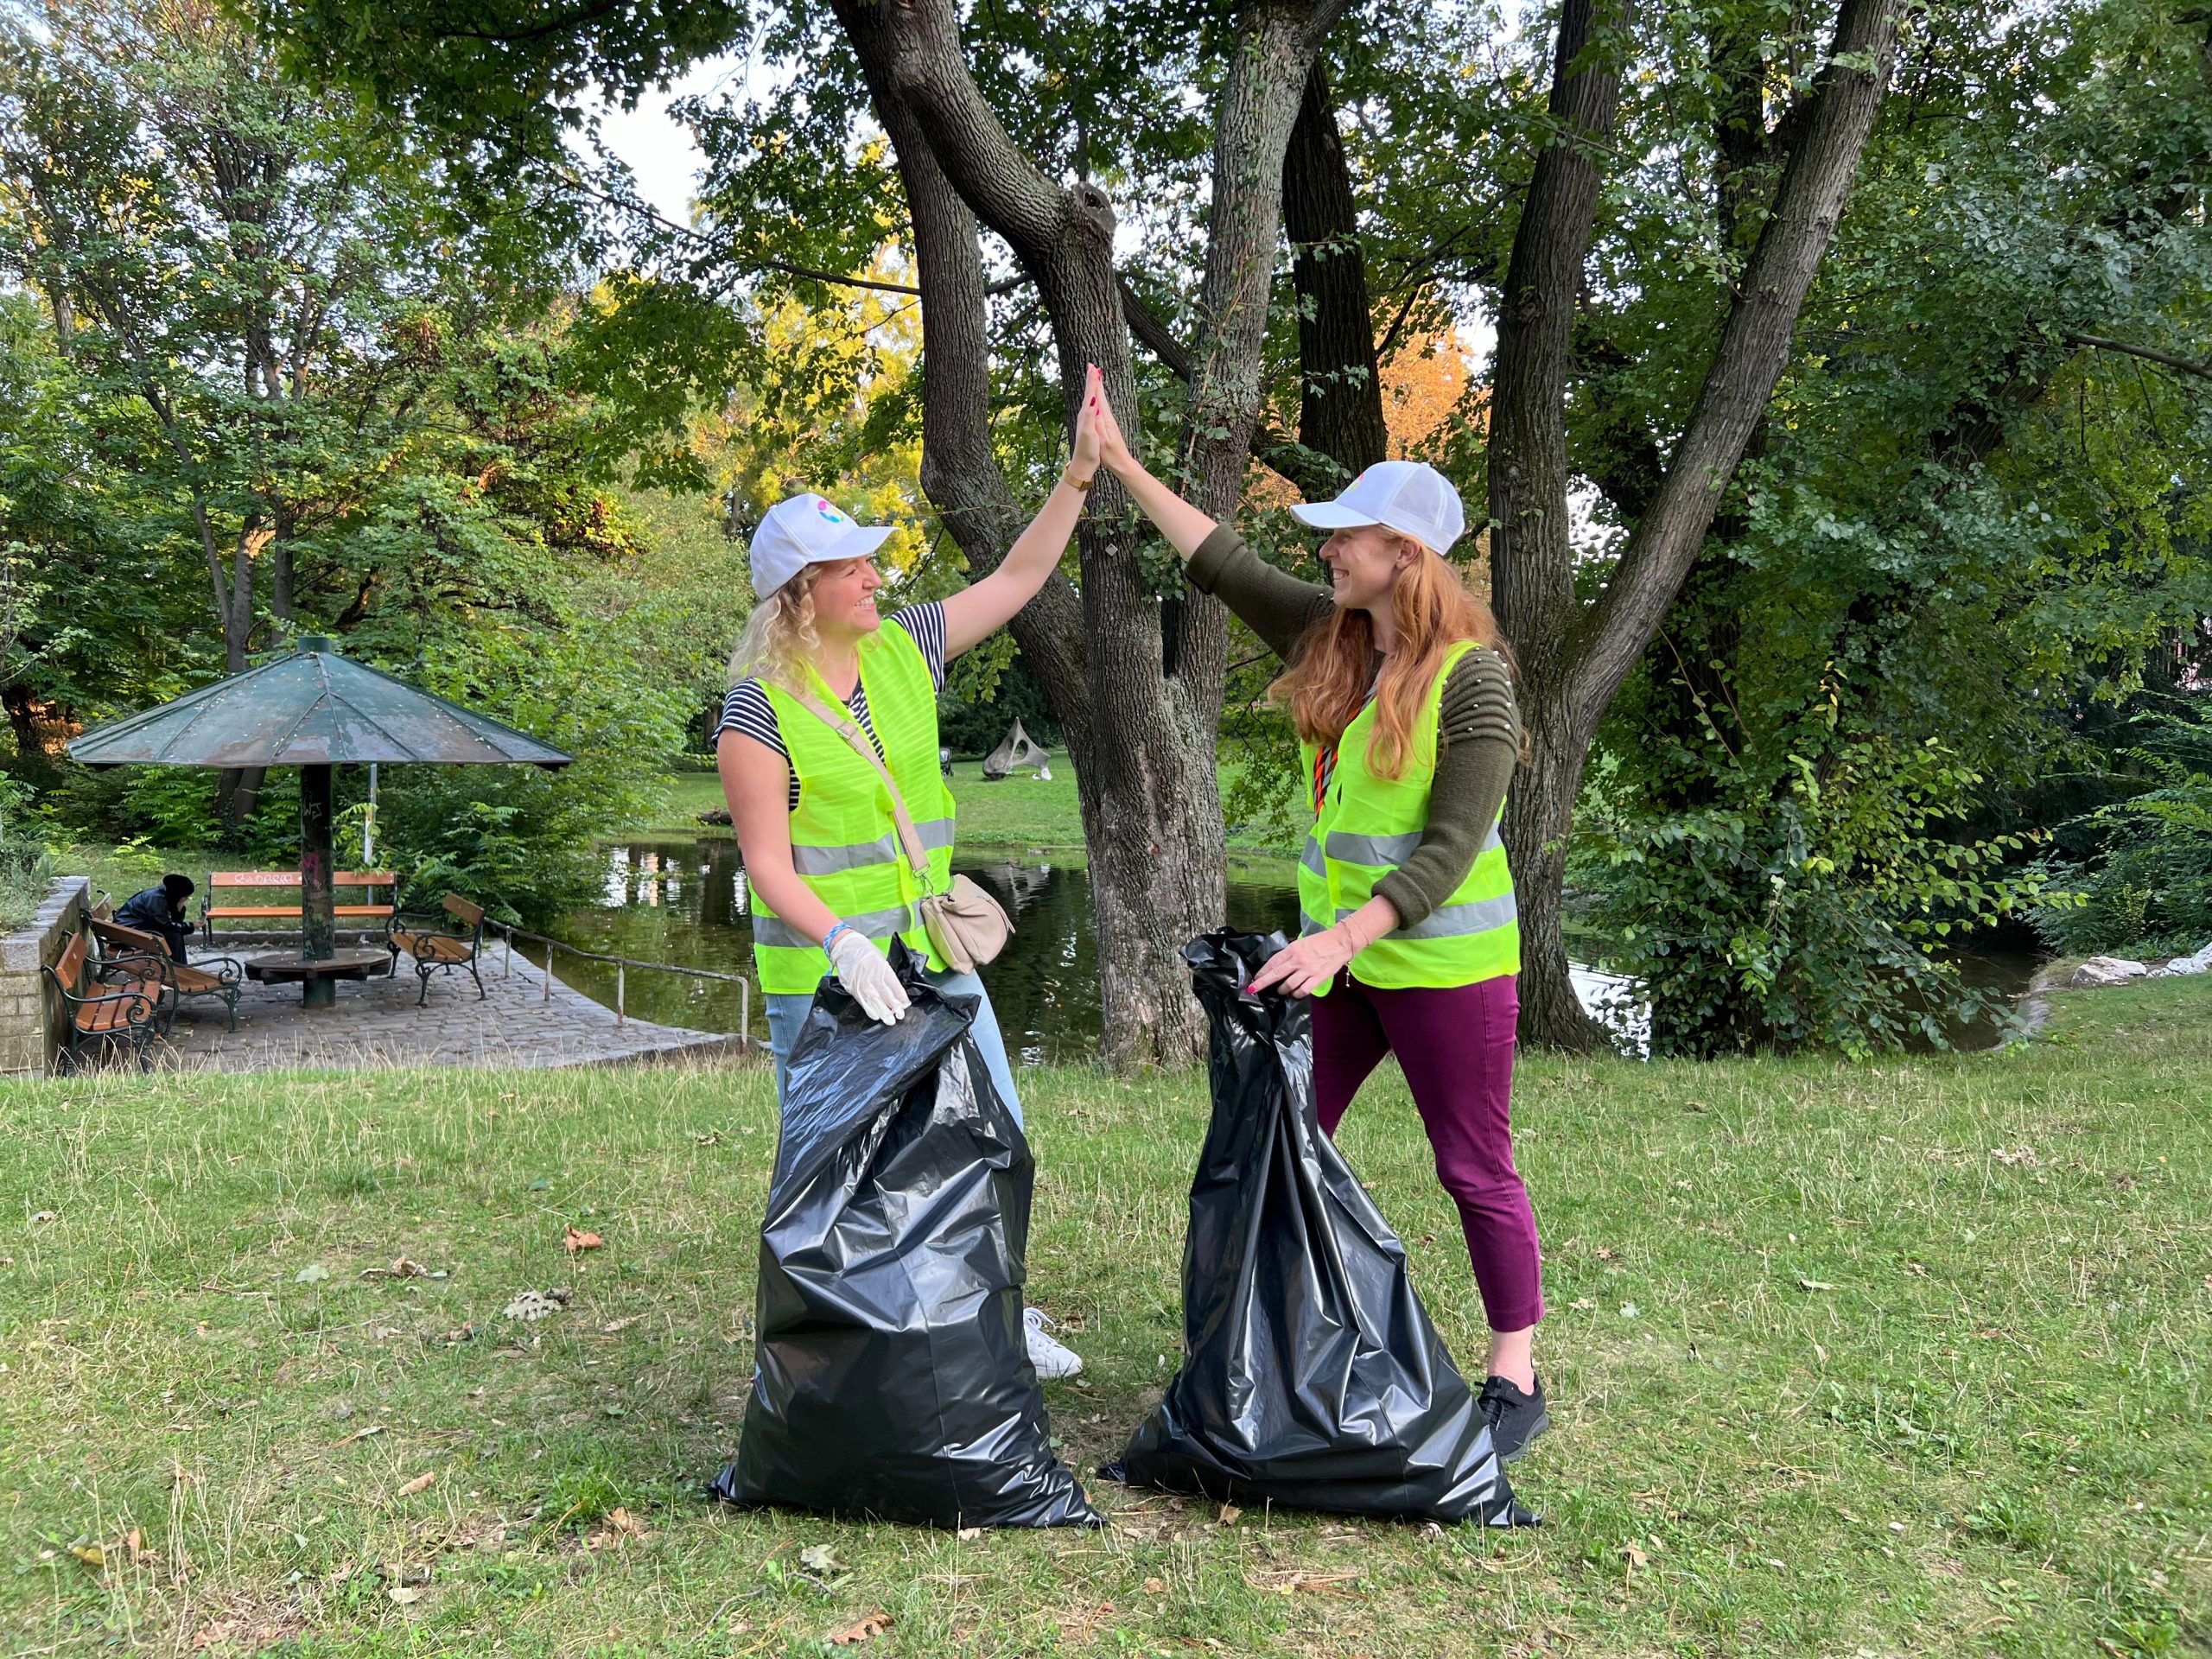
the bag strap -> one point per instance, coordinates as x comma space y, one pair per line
848, 729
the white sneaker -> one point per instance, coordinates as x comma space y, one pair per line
1053, 1360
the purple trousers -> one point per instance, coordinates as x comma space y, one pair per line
1455, 1045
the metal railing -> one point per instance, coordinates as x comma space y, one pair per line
622, 965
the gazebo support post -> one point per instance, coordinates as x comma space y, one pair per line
318, 931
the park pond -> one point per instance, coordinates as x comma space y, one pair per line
684, 902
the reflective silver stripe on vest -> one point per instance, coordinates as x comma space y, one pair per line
835, 861
1394, 850
1451, 921
777, 934
934, 834
1311, 858
1307, 925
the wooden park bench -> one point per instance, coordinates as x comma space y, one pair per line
432, 942
223, 882
216, 976
103, 1011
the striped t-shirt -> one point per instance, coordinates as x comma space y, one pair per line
747, 709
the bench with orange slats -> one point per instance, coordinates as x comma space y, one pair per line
215, 977
238, 881
103, 1013
427, 939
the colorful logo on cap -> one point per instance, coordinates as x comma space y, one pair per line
827, 511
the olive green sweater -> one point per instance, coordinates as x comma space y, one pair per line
1478, 729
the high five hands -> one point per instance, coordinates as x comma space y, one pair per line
1105, 430
1084, 454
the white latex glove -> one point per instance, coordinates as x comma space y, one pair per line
866, 973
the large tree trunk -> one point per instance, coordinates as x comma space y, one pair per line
1576, 661
1340, 389
1531, 562
1144, 737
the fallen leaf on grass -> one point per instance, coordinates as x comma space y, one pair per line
1309, 1584
1155, 1587
1636, 1558
404, 1267
531, 1304
313, 1273
867, 1629
577, 1239
44, 1215
1582, 1304
625, 1523
373, 1430
422, 1483
1230, 1515
622, 1323
404, 1593
968, 1534
2015, 1155
820, 1558
93, 1556
1814, 1284
458, 1335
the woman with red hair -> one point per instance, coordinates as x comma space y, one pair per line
1400, 687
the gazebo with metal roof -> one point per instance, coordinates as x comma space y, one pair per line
314, 709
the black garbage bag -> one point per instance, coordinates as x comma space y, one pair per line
1311, 1374
891, 1378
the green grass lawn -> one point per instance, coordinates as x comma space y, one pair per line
1898, 1358
1020, 811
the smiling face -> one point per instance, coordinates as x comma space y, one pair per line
1364, 563
844, 600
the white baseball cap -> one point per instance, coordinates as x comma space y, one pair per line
802, 531
1410, 496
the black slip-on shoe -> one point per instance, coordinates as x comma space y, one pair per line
1516, 1418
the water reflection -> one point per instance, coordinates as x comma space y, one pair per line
686, 903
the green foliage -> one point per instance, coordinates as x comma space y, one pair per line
986, 691
2142, 866
25, 861
1807, 908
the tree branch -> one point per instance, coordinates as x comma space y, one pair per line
2097, 342
1754, 350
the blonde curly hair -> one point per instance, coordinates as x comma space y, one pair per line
780, 636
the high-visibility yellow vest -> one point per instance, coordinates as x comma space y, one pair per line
1366, 826
844, 840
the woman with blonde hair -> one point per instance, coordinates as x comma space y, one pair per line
830, 886
1400, 687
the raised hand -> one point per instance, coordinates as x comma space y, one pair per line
1113, 450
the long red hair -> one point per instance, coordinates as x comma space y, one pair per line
1326, 685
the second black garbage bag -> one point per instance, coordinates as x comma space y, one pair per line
1311, 1374
892, 1378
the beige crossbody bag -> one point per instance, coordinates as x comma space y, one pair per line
966, 925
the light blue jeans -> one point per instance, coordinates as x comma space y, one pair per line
787, 1013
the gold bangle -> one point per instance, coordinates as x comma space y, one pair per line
1078, 483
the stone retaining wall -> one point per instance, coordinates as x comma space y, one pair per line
29, 1014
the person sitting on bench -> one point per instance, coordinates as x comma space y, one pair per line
161, 910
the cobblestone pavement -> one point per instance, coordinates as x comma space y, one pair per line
375, 1023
